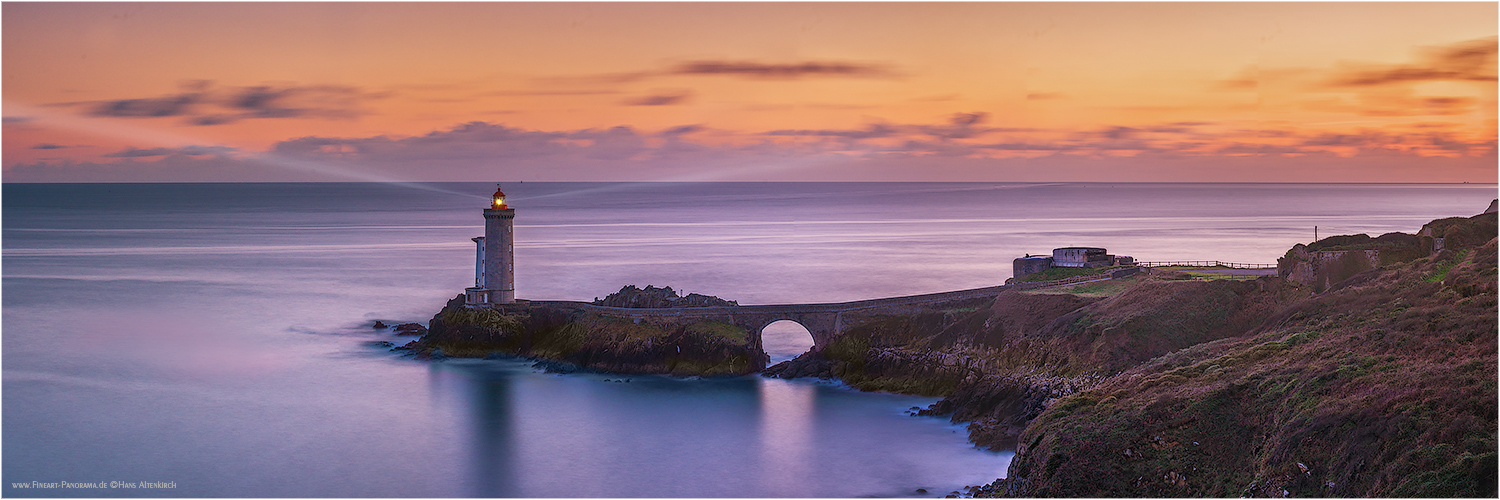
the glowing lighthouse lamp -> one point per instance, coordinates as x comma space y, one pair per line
499, 197
494, 260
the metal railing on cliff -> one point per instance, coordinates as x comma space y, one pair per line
1206, 263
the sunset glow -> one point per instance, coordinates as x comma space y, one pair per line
1245, 92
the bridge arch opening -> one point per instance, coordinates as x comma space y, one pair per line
785, 339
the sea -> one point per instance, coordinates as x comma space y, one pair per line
216, 340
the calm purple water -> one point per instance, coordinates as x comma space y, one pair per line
214, 336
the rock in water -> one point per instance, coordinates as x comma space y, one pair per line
379, 325
410, 329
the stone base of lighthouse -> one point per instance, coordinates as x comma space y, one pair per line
477, 296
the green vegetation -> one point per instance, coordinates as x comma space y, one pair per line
483, 318
1058, 273
1440, 272
723, 331
1098, 289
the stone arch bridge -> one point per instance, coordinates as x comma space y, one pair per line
824, 321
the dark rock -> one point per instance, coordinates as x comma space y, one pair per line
653, 297
809, 364
570, 334
380, 325
381, 343
410, 329
921, 491
556, 367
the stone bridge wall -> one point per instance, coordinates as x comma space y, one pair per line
824, 322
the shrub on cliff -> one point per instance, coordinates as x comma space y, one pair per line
1461, 232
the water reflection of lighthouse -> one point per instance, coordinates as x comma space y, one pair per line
494, 256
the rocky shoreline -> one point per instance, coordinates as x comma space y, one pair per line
570, 336
1303, 384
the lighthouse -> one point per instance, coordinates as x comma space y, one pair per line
494, 260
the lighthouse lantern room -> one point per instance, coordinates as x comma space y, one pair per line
495, 267
499, 198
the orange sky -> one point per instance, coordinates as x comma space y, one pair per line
1272, 92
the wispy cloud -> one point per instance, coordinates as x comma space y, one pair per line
153, 152
960, 126
783, 71
1384, 90
744, 69
872, 131
200, 103
666, 98
549, 93
1472, 60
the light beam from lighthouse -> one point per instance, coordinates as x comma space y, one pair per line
495, 273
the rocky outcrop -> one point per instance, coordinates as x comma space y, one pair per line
1320, 269
410, 329
571, 335
1338, 258
652, 297
999, 366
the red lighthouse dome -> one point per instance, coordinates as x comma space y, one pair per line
499, 198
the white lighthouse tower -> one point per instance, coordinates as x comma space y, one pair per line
495, 264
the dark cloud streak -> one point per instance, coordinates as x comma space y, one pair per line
173, 105
753, 70
153, 152
790, 71
202, 104
660, 99
1472, 60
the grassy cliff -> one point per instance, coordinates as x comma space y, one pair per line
1382, 386
1381, 383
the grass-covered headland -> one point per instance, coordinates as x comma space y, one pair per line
1382, 383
